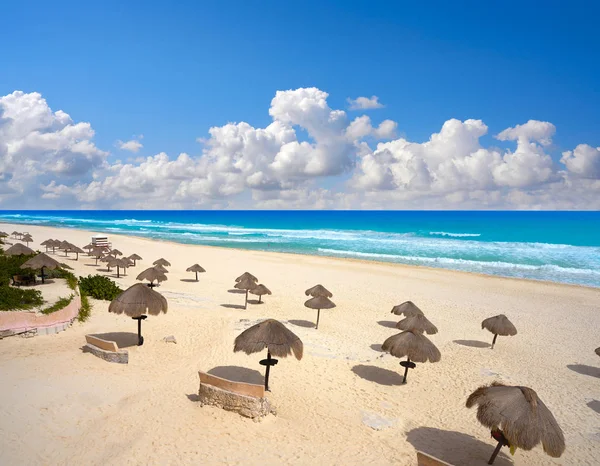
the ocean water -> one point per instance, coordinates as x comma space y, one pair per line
555, 246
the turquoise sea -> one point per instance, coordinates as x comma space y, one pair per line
556, 246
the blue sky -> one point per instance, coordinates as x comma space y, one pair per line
172, 70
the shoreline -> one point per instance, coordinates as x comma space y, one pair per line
400, 265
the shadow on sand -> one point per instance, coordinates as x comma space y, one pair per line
302, 323
193, 397
455, 447
238, 374
122, 339
376, 347
378, 375
234, 291
472, 343
255, 301
585, 370
188, 280
595, 405
387, 323
233, 306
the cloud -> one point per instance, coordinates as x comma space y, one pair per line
364, 103
133, 145
309, 156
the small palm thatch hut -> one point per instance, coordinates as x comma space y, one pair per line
417, 323
135, 258
163, 262
318, 290
318, 303
195, 268
119, 264
27, 239
260, 291
517, 418
415, 346
47, 244
77, 250
88, 247
116, 252
151, 274
408, 308
275, 337
499, 325
245, 284
19, 249
40, 262
137, 301
246, 275
97, 253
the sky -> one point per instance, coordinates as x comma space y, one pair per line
279, 105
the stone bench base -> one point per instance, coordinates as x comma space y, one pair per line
247, 406
120, 357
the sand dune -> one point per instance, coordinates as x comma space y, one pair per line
342, 404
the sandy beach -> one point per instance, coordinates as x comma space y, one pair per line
63, 406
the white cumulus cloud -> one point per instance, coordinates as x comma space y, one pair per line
364, 103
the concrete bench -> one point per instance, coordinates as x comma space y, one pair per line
246, 399
423, 459
106, 349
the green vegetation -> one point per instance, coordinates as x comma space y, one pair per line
86, 308
99, 287
60, 304
12, 299
11, 266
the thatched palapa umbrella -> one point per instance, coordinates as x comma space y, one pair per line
118, 263
195, 268
152, 274
163, 262
15, 234
89, 248
161, 269
417, 323
245, 284
47, 244
65, 246
517, 418
134, 258
97, 253
19, 249
260, 290
55, 244
499, 325
3, 234
116, 252
415, 346
408, 308
318, 290
598, 351
137, 301
27, 239
41, 261
318, 303
77, 250
274, 336
246, 275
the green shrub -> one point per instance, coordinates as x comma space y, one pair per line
99, 287
10, 266
86, 308
60, 304
12, 299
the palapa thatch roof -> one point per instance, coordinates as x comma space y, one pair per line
41, 260
417, 323
260, 290
26, 237
19, 250
499, 325
318, 290
195, 268
138, 300
65, 245
89, 246
135, 257
163, 262
76, 249
598, 351
246, 275
408, 308
319, 302
116, 252
161, 269
413, 345
3, 234
48, 242
523, 418
270, 334
97, 252
245, 284
152, 274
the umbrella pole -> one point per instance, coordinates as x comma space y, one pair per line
318, 315
259, 298
140, 337
406, 370
118, 272
246, 303
196, 276
496, 451
267, 371
494, 342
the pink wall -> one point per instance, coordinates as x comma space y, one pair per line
21, 321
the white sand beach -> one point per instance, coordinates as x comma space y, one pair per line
63, 406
